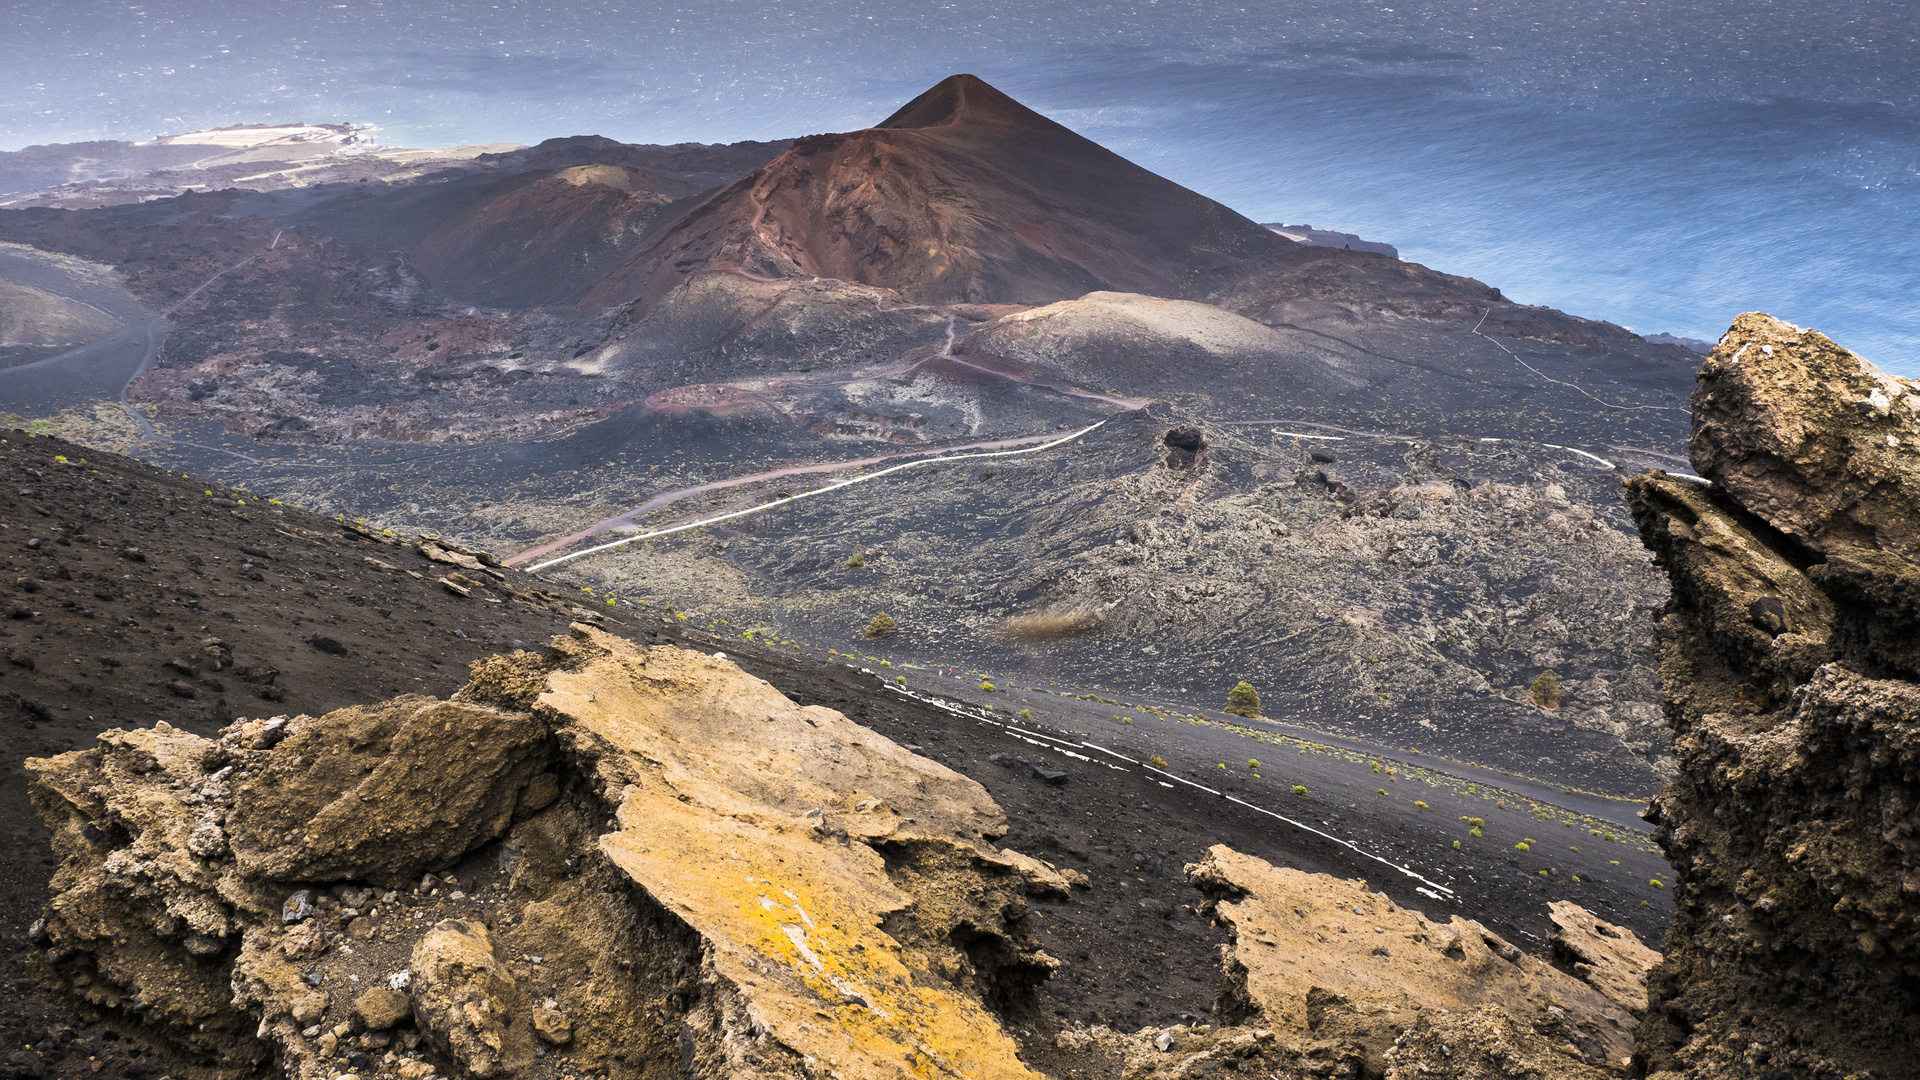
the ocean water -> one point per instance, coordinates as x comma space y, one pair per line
1664, 165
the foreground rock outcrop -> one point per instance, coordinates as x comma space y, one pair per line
1325, 977
1792, 677
596, 860
618, 861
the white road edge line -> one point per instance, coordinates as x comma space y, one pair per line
1444, 893
807, 495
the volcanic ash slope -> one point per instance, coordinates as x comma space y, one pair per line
1793, 689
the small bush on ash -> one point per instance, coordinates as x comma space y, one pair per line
1545, 690
1243, 700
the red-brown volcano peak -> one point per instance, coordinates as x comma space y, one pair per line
963, 195
967, 99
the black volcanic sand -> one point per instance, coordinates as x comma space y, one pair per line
976, 556
99, 625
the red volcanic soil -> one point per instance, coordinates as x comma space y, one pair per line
430, 340
963, 196
719, 399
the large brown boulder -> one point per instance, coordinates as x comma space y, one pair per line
379, 793
468, 1002
1324, 977
1811, 438
1318, 957
1791, 671
1825, 448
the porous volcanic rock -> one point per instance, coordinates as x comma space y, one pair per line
1790, 680
666, 860
372, 795
1612, 962
1326, 977
1320, 958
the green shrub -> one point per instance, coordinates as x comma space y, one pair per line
1474, 832
859, 560
1420, 804
1253, 763
881, 626
1299, 789
1523, 846
1545, 690
1383, 791
1026, 714
1456, 845
1243, 700
987, 686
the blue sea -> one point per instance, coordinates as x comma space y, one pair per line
1664, 165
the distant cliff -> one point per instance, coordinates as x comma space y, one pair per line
1312, 237
1791, 669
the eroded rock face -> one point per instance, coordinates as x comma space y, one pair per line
1791, 671
1326, 978
1321, 958
379, 793
1605, 957
605, 860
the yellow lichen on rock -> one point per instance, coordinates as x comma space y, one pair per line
1324, 958
752, 820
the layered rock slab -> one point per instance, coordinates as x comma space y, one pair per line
661, 863
1314, 956
1792, 684
768, 828
1324, 977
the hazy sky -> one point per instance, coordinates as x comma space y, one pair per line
1661, 164
436, 71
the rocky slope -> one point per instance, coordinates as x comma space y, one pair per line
133, 596
607, 858
692, 868
1135, 950
1406, 591
1789, 671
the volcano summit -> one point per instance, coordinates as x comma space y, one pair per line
962, 196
